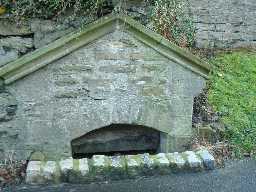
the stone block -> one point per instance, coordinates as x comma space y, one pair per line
161, 163
75, 68
80, 172
9, 28
99, 165
117, 167
46, 31
153, 91
134, 165
50, 172
177, 163
148, 164
117, 55
118, 68
83, 167
8, 106
181, 126
65, 94
99, 93
7, 56
37, 156
66, 81
181, 106
177, 143
207, 158
193, 162
66, 166
34, 172
20, 44
150, 55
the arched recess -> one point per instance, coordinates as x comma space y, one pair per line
117, 139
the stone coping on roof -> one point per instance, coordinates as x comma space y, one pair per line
73, 41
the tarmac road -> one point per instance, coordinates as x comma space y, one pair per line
237, 176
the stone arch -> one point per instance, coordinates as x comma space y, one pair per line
117, 139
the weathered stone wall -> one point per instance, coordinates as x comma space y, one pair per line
219, 24
224, 23
17, 40
116, 79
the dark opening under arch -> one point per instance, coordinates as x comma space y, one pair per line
117, 139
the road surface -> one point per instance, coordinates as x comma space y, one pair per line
237, 176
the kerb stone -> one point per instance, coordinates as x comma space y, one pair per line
33, 173
66, 166
193, 162
177, 163
161, 163
50, 172
148, 164
99, 166
134, 165
117, 168
207, 158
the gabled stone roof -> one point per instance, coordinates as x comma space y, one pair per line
69, 43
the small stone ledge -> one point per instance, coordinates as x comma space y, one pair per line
100, 167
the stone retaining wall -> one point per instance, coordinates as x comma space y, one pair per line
101, 168
224, 23
219, 24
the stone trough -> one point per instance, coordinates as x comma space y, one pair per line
104, 168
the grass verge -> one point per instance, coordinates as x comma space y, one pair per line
232, 92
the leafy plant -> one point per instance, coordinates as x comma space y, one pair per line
50, 8
170, 20
168, 16
233, 93
11, 170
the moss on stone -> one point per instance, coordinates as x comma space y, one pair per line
37, 156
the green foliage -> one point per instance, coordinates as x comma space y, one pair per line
170, 19
168, 16
233, 93
50, 8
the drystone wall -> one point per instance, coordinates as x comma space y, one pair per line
224, 23
17, 40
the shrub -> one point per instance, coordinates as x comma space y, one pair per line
233, 93
170, 20
50, 8
169, 17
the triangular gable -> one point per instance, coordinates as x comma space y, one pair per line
71, 42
